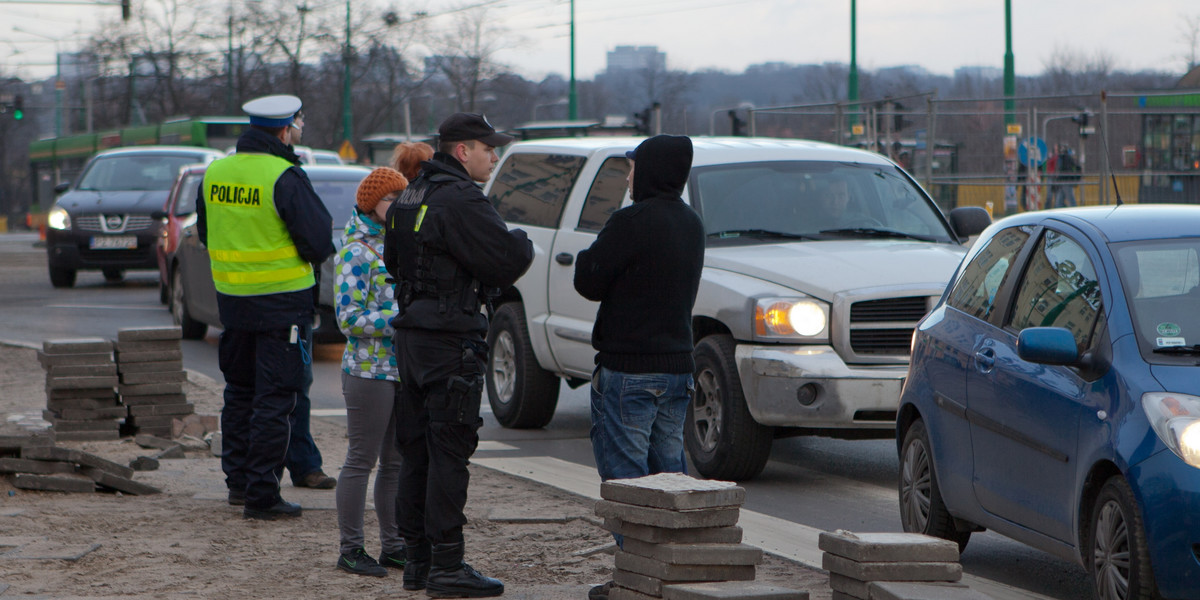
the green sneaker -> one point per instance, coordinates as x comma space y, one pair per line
392, 560
359, 562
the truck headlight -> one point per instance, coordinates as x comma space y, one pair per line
1176, 420
790, 318
58, 218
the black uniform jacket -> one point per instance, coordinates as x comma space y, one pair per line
460, 222
311, 228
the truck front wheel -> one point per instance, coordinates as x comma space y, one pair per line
721, 437
523, 395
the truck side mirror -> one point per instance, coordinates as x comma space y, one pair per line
968, 221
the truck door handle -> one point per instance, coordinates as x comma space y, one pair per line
986, 359
564, 258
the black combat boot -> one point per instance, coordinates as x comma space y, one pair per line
416, 564
450, 577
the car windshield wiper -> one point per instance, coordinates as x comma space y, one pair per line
1193, 349
882, 233
760, 233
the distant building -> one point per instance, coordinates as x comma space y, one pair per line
636, 58
980, 73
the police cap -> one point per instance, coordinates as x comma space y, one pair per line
272, 111
461, 127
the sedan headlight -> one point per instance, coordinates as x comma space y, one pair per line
1176, 420
58, 218
791, 319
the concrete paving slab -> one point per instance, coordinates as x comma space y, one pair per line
891, 571
154, 377
668, 572
77, 346
620, 593
90, 358
49, 550
670, 519
81, 383
147, 334
885, 547
149, 389
53, 483
731, 590
907, 590
849, 586
158, 366
696, 554
82, 370
179, 398
137, 347
116, 482
161, 410
674, 491
35, 467
88, 436
693, 535
136, 357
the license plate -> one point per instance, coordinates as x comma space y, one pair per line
114, 242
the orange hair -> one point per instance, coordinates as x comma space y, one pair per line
407, 158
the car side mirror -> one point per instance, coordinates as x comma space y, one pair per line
1047, 345
968, 221
62, 187
158, 215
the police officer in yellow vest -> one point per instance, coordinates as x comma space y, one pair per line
264, 227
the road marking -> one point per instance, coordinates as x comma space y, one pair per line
780, 537
341, 412
105, 307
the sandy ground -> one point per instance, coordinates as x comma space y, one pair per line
188, 543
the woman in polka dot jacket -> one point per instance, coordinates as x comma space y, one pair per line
366, 303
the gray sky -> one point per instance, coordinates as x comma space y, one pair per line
939, 35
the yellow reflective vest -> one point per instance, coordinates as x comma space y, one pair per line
251, 251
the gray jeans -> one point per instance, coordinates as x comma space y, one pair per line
371, 428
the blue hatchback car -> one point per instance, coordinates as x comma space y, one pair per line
1054, 396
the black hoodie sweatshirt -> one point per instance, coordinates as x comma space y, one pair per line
644, 267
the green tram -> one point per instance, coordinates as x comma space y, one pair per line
55, 160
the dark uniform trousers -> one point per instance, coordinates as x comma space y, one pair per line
265, 376
437, 430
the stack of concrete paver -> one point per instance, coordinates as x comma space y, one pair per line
150, 362
677, 532
56, 469
892, 566
81, 403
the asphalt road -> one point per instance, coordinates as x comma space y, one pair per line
821, 483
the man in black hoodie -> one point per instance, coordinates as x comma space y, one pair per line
644, 269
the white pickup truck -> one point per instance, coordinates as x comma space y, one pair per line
819, 262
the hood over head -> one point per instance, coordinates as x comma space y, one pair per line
661, 167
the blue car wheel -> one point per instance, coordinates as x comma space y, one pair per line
921, 506
1120, 561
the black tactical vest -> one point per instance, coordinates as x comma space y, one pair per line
421, 271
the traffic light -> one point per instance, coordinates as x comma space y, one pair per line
1082, 120
18, 107
125, 10
736, 124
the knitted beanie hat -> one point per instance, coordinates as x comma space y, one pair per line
377, 185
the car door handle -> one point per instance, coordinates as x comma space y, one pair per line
986, 359
564, 258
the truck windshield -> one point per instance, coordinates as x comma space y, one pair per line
812, 200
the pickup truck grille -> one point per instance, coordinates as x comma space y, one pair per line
880, 329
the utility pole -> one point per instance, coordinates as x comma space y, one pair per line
1010, 84
572, 100
347, 128
852, 85
229, 108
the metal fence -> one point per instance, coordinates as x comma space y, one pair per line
1132, 146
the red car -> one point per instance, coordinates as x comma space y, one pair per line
178, 212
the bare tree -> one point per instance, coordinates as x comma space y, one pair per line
1189, 29
464, 55
1071, 72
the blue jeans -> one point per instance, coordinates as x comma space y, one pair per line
637, 422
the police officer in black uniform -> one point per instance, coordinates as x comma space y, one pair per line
448, 250
264, 226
